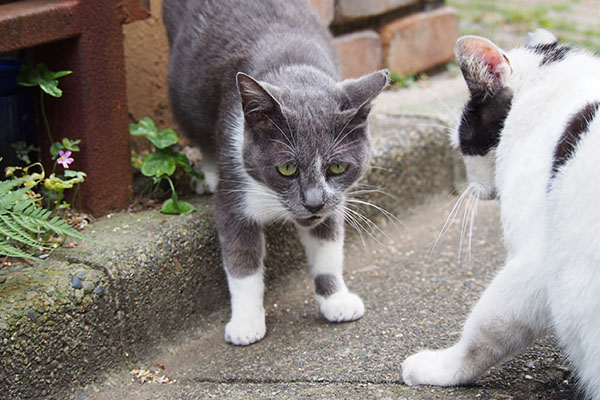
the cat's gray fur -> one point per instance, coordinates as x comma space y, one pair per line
256, 84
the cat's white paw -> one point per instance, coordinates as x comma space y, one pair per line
245, 331
341, 306
208, 185
430, 368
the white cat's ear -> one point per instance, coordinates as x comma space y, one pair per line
540, 37
257, 101
361, 91
484, 65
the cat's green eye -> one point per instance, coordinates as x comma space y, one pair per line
287, 169
338, 168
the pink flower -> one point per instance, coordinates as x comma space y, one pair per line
64, 159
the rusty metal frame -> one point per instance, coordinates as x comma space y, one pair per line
86, 37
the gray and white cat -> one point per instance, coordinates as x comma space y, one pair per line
530, 135
256, 84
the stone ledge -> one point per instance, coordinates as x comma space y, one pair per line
155, 275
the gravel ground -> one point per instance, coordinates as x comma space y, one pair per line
413, 300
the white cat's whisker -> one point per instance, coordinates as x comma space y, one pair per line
451, 216
476, 195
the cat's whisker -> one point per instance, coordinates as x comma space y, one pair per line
476, 196
291, 143
361, 223
451, 217
352, 222
468, 221
369, 191
373, 230
339, 138
391, 217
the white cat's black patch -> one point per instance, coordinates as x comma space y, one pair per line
482, 121
577, 126
551, 52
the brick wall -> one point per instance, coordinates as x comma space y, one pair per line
406, 36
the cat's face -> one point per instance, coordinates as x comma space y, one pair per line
492, 77
308, 147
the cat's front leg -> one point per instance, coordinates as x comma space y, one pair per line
510, 314
242, 244
324, 245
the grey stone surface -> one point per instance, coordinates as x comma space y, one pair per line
414, 299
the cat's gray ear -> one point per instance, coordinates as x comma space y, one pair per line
360, 91
484, 65
257, 101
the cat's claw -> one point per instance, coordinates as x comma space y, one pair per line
245, 331
341, 306
430, 368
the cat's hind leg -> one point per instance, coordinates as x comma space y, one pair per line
208, 185
324, 247
510, 314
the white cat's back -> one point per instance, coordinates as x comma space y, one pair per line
542, 107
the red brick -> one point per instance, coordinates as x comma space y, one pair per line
421, 41
325, 9
355, 9
359, 53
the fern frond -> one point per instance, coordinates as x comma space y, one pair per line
6, 249
18, 232
37, 216
22, 219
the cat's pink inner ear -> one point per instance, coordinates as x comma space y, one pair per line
483, 50
473, 53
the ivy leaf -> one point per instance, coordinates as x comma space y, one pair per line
172, 206
57, 184
41, 76
72, 145
158, 164
56, 148
182, 160
77, 176
161, 139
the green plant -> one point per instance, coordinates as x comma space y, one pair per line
23, 222
48, 83
61, 151
162, 162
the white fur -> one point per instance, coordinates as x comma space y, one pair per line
247, 324
551, 279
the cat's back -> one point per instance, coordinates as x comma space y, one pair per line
232, 26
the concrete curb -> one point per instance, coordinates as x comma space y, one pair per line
90, 308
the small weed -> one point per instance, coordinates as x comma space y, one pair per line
162, 162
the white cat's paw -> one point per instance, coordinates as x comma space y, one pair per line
341, 306
245, 331
429, 368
